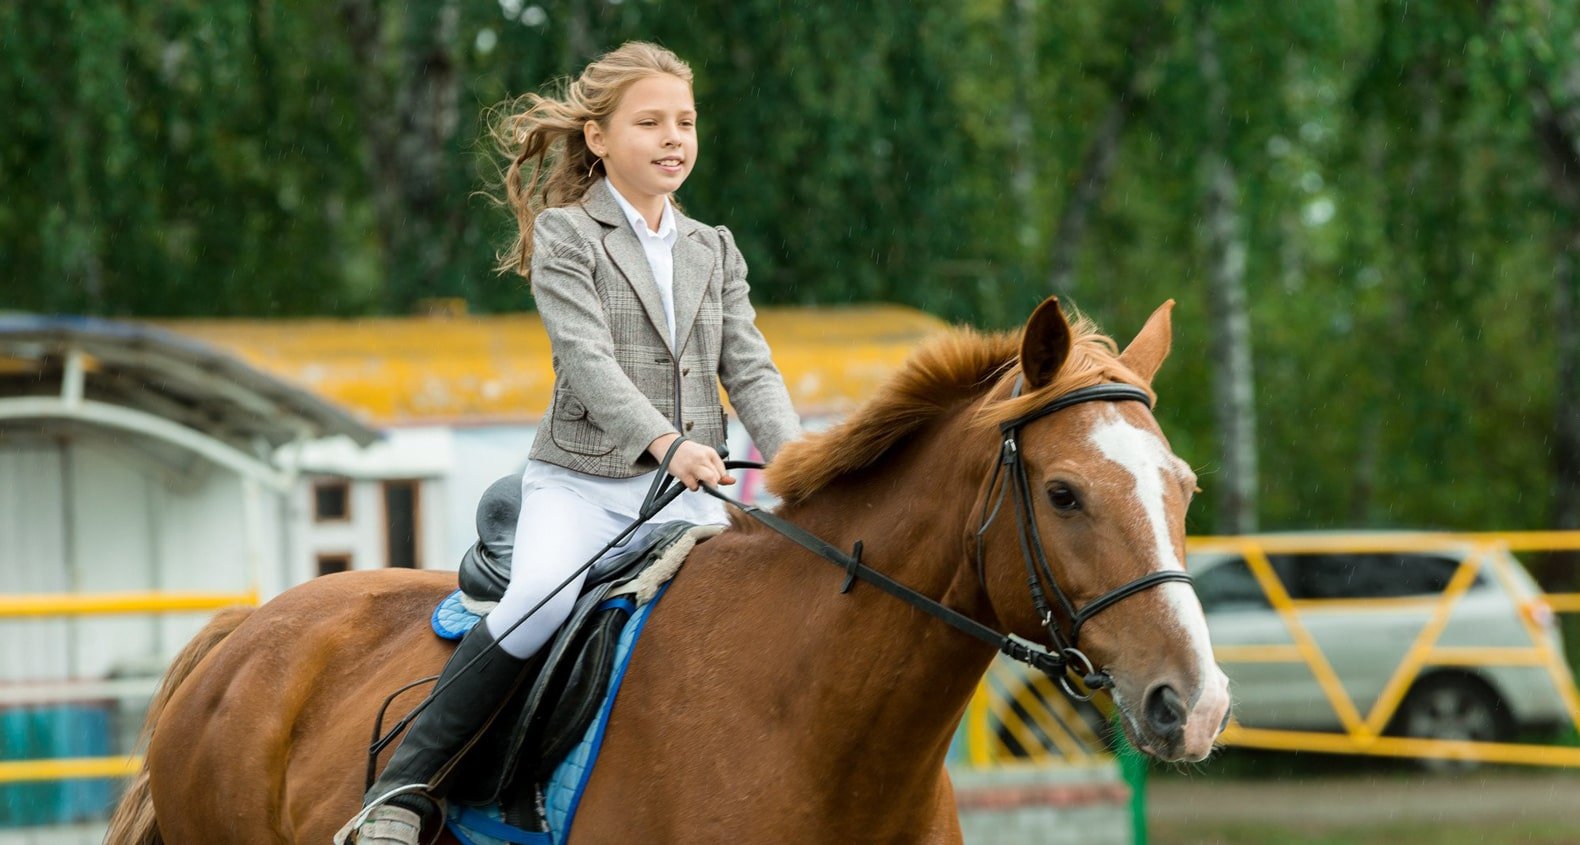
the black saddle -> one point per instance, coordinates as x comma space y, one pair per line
565, 683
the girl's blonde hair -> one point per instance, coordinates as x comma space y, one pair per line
549, 162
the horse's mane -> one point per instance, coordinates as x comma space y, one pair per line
953, 367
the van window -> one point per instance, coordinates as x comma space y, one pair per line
1361, 576
1230, 586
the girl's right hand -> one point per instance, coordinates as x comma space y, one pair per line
693, 464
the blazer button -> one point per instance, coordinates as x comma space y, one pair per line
689, 424
686, 371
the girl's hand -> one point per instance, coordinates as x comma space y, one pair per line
694, 464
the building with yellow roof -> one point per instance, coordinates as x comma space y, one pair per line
458, 397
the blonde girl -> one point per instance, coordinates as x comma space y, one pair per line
647, 312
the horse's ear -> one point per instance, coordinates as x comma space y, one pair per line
1045, 344
1145, 354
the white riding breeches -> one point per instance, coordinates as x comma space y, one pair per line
556, 533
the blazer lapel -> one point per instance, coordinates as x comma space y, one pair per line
694, 265
628, 255
626, 252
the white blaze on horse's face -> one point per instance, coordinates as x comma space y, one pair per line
1200, 690
1149, 462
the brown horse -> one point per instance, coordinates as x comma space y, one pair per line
762, 705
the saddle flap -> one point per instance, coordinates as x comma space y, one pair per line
488, 771
578, 686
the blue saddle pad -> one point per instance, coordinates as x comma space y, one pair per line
482, 825
451, 619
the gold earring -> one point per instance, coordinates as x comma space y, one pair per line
593, 167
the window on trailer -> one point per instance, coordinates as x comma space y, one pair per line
332, 500
329, 563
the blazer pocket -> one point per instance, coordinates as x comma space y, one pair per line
572, 430
570, 408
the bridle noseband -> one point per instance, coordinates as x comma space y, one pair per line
1067, 656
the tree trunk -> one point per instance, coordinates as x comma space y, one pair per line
1097, 167
1020, 30
1557, 129
580, 45
1233, 384
409, 113
428, 105
1566, 398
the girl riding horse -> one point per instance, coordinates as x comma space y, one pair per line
647, 311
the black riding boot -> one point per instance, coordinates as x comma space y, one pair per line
440, 731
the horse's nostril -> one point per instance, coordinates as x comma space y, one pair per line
1165, 712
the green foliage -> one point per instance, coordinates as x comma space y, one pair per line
220, 158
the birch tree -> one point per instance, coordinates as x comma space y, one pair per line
1234, 387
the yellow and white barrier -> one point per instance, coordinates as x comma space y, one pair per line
1014, 703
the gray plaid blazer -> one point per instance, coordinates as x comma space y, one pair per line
617, 385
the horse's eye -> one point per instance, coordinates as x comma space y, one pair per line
1063, 498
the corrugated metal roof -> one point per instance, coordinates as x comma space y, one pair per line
495, 369
198, 385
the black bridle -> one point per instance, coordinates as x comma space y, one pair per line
1012, 471
1064, 656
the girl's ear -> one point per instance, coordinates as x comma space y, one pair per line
1145, 354
1045, 343
592, 133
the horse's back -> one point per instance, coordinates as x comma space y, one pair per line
266, 740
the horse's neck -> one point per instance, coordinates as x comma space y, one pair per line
865, 676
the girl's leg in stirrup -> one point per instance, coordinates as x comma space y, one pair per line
556, 534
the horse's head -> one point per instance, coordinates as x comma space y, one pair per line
1107, 500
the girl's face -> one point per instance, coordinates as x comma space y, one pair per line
650, 143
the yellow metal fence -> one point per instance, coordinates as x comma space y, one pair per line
56, 605
1018, 716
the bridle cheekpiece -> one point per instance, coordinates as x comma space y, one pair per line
1010, 472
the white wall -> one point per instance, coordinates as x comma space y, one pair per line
97, 513
32, 543
145, 519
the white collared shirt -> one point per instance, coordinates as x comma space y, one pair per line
624, 495
660, 249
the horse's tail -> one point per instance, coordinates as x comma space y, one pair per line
133, 822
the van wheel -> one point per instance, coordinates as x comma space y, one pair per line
1452, 707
